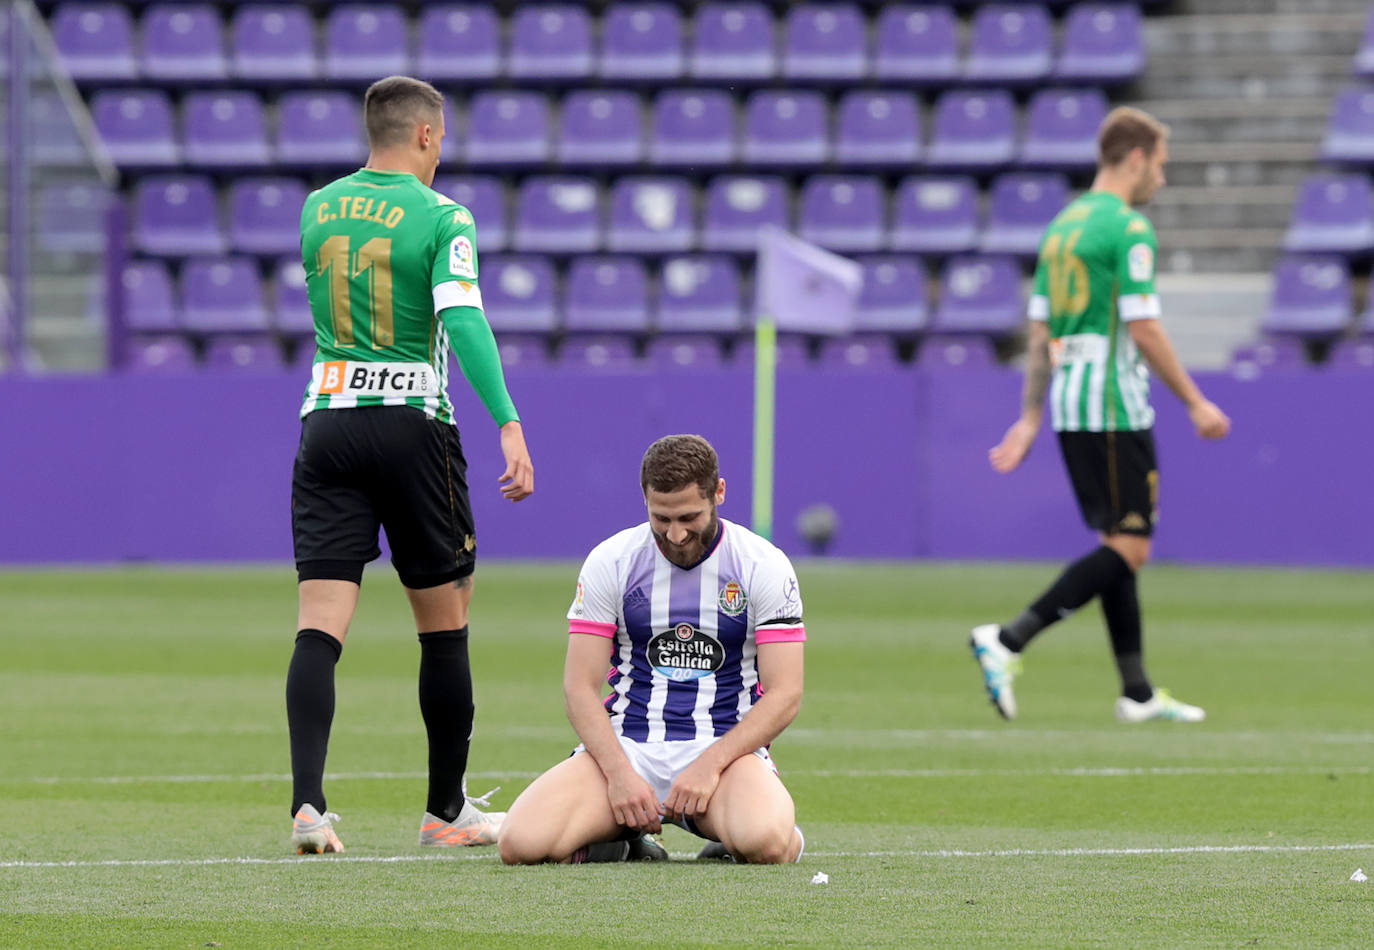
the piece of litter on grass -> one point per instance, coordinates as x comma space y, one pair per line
821, 878
1359, 876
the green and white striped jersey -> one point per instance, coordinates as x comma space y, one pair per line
383, 256
1095, 275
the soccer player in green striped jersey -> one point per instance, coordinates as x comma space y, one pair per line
1094, 329
391, 273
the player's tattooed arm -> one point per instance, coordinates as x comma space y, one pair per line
1038, 370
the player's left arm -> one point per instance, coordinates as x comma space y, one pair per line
458, 304
780, 635
1138, 305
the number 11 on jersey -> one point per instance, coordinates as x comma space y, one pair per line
372, 263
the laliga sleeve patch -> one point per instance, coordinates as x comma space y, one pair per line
460, 262
1140, 263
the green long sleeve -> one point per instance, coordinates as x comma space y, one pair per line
475, 346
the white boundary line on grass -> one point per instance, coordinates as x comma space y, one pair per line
942, 853
1072, 772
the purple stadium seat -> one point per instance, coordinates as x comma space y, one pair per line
1061, 129
1011, 43
1364, 59
935, 215
224, 129
484, 196
222, 294
1102, 43
160, 355
963, 352
642, 41
1269, 355
1352, 355
243, 354
843, 213
600, 354
737, 207
1350, 130
550, 41
975, 130
1332, 214
894, 295
601, 128
690, 352
651, 215
183, 42
95, 41
506, 128
980, 295
460, 41
917, 44
878, 128
786, 128
290, 301
699, 294
606, 294
136, 127
518, 293
733, 42
366, 41
53, 139
1311, 297
265, 215
557, 215
825, 42
869, 351
273, 43
71, 218
149, 300
522, 353
320, 128
176, 215
1020, 206
693, 127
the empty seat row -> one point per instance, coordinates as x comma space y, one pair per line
1332, 213
1313, 298
729, 42
686, 128
525, 294
180, 215
1283, 354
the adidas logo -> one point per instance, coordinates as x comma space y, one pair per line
635, 598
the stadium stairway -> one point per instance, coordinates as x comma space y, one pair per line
1246, 122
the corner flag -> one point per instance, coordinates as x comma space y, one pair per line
800, 288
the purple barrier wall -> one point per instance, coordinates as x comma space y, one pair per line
195, 468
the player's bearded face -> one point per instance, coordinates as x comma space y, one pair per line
684, 522
1151, 175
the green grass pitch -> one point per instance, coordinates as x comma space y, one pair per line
143, 795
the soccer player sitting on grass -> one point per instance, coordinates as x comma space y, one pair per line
1094, 324
700, 623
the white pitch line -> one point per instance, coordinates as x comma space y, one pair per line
1071, 772
946, 853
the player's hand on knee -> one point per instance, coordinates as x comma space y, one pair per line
691, 793
633, 803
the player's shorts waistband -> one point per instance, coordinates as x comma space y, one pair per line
353, 378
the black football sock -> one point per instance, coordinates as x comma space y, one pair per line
1121, 609
446, 705
309, 713
1081, 581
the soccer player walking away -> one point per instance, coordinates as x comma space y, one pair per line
694, 616
391, 269
1094, 315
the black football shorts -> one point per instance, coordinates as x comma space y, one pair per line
1115, 479
381, 466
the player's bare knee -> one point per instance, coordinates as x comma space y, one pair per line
767, 846
515, 847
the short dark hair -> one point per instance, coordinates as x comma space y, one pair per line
1125, 129
394, 105
676, 461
